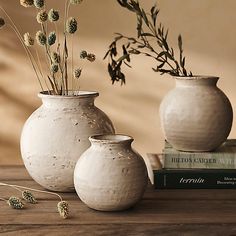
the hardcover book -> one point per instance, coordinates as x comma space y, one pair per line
222, 158
190, 178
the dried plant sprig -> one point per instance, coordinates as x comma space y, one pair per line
27, 3
42, 16
52, 38
53, 15
15, 203
28, 197
2, 22
71, 25
63, 209
28, 40
58, 57
39, 3
41, 38
148, 32
89, 56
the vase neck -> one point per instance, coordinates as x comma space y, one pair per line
114, 141
196, 81
69, 102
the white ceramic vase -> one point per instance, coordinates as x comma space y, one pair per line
110, 175
56, 134
196, 115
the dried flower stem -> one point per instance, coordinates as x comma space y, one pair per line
48, 53
72, 63
65, 54
32, 189
3, 199
41, 69
29, 54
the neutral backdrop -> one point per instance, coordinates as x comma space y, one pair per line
209, 34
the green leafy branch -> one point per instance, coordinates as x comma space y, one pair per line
151, 41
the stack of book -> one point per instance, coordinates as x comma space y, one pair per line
175, 169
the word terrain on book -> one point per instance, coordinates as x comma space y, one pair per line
210, 170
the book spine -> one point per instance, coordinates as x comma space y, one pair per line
165, 179
199, 161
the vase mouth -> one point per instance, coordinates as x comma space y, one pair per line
71, 94
197, 77
111, 138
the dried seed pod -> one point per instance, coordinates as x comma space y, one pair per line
91, 57
54, 68
28, 40
42, 16
53, 15
83, 54
52, 38
75, 2
63, 209
77, 73
71, 25
39, 3
41, 38
55, 58
28, 197
27, 3
15, 203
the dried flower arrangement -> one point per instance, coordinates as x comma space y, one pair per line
151, 41
59, 80
27, 196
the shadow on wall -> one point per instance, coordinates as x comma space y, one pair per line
134, 107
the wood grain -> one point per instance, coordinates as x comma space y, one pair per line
167, 212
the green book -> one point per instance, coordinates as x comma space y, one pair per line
222, 158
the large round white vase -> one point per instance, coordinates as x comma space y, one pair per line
56, 134
196, 115
110, 175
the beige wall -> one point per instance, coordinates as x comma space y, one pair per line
209, 33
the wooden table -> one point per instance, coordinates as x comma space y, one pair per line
165, 212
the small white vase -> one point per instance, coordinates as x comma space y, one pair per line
110, 175
56, 134
196, 115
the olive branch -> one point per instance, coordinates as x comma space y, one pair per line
151, 41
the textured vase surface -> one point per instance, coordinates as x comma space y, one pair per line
196, 115
110, 175
56, 134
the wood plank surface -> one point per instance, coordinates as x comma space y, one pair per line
168, 212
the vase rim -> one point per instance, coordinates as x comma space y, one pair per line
72, 94
196, 77
111, 138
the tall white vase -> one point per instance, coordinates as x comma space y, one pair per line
56, 134
196, 115
110, 175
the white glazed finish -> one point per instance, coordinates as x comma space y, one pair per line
196, 115
56, 134
110, 175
